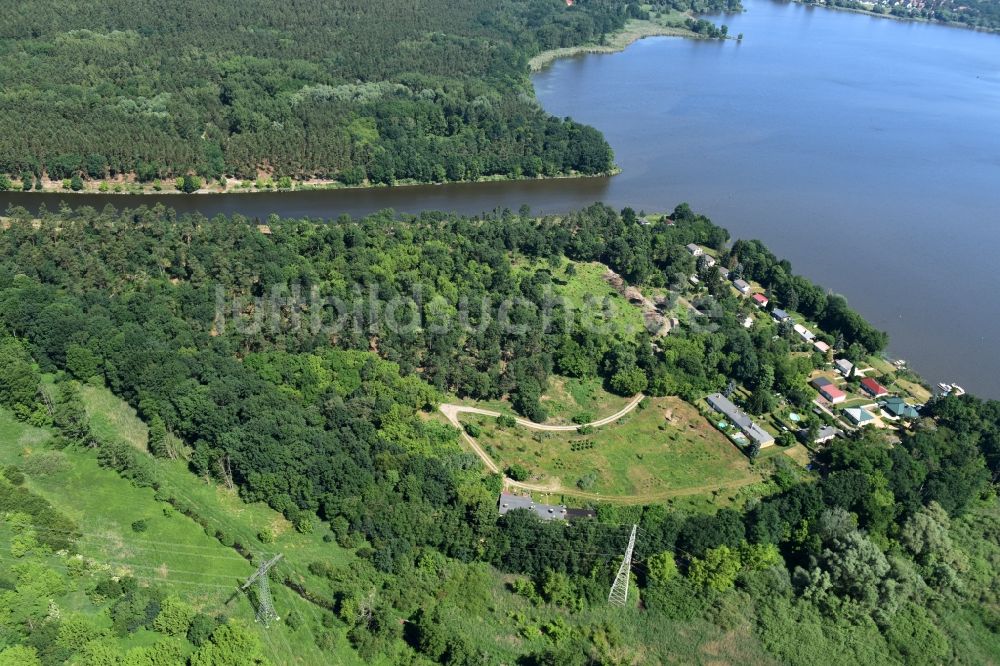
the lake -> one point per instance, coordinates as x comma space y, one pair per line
864, 150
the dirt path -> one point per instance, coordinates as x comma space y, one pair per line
451, 412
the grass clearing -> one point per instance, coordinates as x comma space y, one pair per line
173, 551
665, 447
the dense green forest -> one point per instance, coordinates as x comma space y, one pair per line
357, 91
886, 553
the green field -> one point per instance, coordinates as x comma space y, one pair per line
175, 552
595, 304
662, 449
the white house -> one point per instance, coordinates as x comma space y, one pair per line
695, 250
843, 366
742, 286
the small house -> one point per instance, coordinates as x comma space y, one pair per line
898, 408
873, 388
694, 250
858, 416
821, 346
804, 333
780, 315
694, 280
740, 419
723, 272
829, 390
843, 366
742, 286
760, 300
825, 434
707, 260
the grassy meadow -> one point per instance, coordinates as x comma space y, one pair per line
664, 448
173, 551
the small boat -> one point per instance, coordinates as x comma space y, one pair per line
957, 390
945, 388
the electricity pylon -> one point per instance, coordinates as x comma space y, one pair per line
619, 589
265, 604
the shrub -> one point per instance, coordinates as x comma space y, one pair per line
140, 526
517, 472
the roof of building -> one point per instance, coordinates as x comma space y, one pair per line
899, 407
510, 501
760, 298
843, 365
828, 389
693, 248
721, 403
858, 415
873, 386
825, 434
577, 514
804, 332
742, 285
821, 346
779, 314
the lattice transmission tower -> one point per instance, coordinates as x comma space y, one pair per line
265, 603
619, 589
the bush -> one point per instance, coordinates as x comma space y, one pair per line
140, 526
517, 472
473, 430
506, 421
13, 474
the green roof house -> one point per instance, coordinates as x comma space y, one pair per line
897, 407
859, 416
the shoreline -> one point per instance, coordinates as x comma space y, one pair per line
904, 19
633, 31
312, 185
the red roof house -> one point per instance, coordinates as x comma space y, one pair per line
828, 390
873, 388
760, 299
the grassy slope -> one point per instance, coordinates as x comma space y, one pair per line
174, 552
665, 447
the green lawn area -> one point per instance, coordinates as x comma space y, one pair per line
593, 301
569, 397
665, 447
565, 398
174, 551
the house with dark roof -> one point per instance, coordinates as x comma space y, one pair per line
740, 419
898, 408
825, 434
829, 390
780, 315
873, 388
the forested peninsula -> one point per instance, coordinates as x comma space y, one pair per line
353, 93
182, 398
